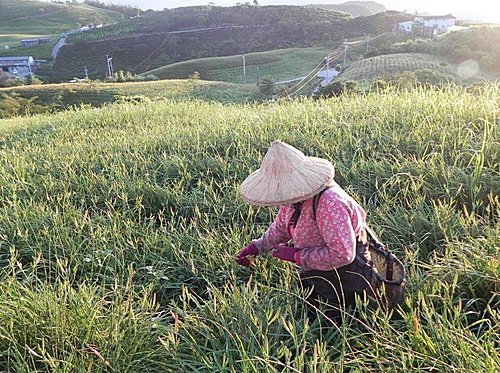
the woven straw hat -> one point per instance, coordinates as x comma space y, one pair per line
286, 176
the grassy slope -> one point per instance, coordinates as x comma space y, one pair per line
97, 94
372, 68
119, 226
21, 19
280, 64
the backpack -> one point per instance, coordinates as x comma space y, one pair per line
384, 272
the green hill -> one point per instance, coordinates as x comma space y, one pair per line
158, 39
279, 64
60, 96
119, 227
31, 19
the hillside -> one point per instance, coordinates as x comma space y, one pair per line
31, 19
198, 32
372, 68
119, 227
354, 8
478, 45
279, 64
61, 96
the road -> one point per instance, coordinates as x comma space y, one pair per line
58, 46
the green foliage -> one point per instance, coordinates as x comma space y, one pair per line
428, 69
266, 85
32, 79
339, 87
119, 227
14, 105
63, 96
126, 76
8, 81
195, 76
481, 44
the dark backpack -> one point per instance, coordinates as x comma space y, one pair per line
384, 273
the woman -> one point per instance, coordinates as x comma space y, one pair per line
319, 227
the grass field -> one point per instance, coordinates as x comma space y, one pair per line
119, 227
27, 19
281, 64
370, 69
97, 94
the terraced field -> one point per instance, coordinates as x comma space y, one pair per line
280, 64
370, 69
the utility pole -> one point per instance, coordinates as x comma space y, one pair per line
110, 66
367, 44
244, 70
345, 53
86, 73
327, 69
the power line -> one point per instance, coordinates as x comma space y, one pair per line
326, 61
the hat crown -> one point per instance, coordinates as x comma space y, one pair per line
286, 176
281, 157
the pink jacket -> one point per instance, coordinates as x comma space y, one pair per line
325, 243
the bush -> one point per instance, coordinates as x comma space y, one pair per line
266, 85
338, 88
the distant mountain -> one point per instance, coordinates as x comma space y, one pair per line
354, 8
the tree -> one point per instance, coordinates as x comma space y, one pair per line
266, 85
32, 79
338, 88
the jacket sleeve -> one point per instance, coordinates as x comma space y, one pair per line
336, 226
276, 233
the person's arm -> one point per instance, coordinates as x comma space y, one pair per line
276, 233
334, 219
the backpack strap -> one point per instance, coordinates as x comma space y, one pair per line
294, 218
298, 208
316, 201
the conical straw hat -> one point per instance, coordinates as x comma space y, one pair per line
286, 176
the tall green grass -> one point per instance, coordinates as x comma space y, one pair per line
58, 97
119, 227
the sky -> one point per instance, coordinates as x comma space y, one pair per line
485, 10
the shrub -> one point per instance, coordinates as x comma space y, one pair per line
266, 85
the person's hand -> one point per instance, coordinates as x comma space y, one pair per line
285, 252
246, 256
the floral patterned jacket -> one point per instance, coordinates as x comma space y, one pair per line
325, 242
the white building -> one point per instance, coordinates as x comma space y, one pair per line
405, 26
440, 24
428, 25
17, 66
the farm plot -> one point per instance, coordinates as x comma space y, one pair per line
119, 227
370, 69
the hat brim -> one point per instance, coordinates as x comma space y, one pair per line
304, 182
